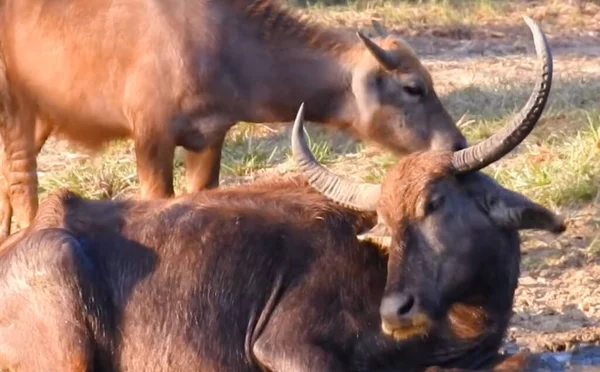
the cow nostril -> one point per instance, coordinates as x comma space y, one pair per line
406, 305
397, 308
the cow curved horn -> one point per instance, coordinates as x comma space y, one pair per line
381, 31
353, 195
501, 143
382, 56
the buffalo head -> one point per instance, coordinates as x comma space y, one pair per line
395, 103
452, 232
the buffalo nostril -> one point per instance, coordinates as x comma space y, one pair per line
396, 307
406, 304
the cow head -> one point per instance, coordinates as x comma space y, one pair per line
454, 231
396, 103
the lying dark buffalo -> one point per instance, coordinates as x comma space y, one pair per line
271, 275
170, 73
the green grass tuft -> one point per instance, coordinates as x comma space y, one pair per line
563, 170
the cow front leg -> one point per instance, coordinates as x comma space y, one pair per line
202, 168
154, 159
300, 358
20, 169
5, 206
282, 352
202, 138
42, 132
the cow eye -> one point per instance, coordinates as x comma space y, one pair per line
414, 90
434, 204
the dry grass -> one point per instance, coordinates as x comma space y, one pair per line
437, 15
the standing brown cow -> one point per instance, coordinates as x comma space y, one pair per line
181, 72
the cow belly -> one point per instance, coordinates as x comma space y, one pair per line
94, 75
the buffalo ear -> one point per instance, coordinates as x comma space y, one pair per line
378, 235
524, 214
509, 209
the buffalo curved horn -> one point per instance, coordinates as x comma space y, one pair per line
381, 31
353, 195
501, 143
382, 56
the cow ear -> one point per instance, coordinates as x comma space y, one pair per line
512, 210
522, 214
378, 235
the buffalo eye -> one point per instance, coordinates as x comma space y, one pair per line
434, 204
415, 90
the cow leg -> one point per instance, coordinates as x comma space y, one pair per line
281, 352
42, 133
202, 168
20, 170
154, 153
5, 206
202, 140
301, 357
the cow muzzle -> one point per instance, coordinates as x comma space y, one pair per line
402, 317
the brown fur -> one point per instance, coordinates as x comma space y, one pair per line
467, 322
285, 214
171, 73
277, 196
280, 24
405, 189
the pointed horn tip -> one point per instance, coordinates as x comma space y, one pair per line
300, 113
361, 35
297, 129
531, 23
527, 18
543, 50
299, 116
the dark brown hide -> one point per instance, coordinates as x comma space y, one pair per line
267, 275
